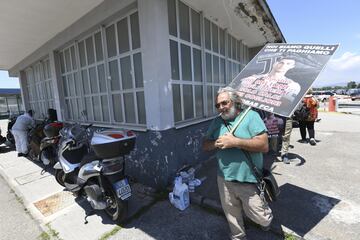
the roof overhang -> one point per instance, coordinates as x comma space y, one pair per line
27, 25
249, 20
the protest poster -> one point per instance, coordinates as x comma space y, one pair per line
278, 77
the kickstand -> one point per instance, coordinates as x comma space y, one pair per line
87, 214
43, 171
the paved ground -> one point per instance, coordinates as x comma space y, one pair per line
319, 198
15, 222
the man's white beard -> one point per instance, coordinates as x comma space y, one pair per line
231, 114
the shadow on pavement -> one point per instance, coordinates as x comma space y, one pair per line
300, 210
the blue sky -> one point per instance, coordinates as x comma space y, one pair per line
310, 21
324, 22
7, 82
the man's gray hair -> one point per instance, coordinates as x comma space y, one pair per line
234, 96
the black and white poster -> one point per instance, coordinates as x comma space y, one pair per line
278, 77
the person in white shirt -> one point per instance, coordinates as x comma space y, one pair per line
20, 131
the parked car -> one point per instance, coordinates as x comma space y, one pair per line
322, 96
355, 95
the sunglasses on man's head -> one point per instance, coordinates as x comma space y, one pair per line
223, 103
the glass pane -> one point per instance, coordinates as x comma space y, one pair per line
208, 68
73, 59
67, 63
123, 36
138, 70
199, 105
234, 70
229, 72
114, 75
90, 50
129, 107
207, 34
184, 21
80, 107
229, 45
110, 40
97, 108
135, 32
241, 52
222, 70
210, 100
89, 114
98, 47
172, 17
141, 107
105, 108
82, 53
195, 24
222, 41
62, 66
188, 101
101, 77
215, 43
85, 81
68, 109
216, 68
233, 49
74, 109
64, 86
93, 80
238, 50
48, 68
125, 66
71, 85
176, 102
174, 60
77, 84
197, 65
116, 98
186, 62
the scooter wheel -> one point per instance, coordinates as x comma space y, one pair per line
117, 210
60, 177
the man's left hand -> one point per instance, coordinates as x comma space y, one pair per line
226, 141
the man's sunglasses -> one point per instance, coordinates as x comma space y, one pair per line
223, 103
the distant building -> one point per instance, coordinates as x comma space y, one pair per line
10, 102
153, 66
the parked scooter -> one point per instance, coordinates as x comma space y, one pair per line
98, 175
35, 136
49, 144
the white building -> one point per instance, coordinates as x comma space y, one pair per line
153, 66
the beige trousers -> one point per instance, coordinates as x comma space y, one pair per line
286, 136
237, 197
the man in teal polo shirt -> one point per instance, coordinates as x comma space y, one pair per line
236, 182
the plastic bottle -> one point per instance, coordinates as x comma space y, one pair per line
181, 196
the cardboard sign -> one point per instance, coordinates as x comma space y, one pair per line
278, 77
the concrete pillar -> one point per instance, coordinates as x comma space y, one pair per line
57, 86
155, 52
24, 90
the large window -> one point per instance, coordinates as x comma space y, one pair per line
40, 88
102, 75
204, 57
